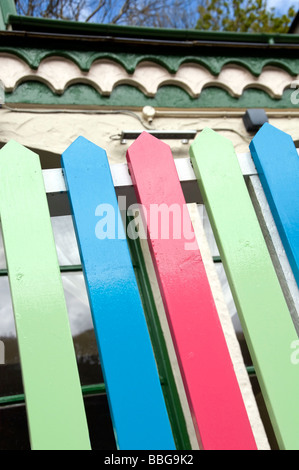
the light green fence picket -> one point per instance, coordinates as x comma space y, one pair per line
54, 402
265, 318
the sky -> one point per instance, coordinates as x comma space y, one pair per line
282, 6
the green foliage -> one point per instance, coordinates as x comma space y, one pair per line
246, 16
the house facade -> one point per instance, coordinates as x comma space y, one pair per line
61, 80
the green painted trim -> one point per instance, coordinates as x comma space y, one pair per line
7, 8
168, 96
87, 390
42, 24
251, 371
63, 269
214, 63
2, 24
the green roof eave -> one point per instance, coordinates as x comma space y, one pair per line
172, 36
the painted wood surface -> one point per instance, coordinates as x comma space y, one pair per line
276, 159
277, 252
134, 392
54, 402
265, 318
212, 270
211, 385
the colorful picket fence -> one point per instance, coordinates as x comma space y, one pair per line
262, 269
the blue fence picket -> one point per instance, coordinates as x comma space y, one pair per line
134, 391
277, 163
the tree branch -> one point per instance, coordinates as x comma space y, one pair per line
100, 5
122, 11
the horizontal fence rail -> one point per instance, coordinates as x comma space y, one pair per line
59, 204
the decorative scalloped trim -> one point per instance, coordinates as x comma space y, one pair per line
104, 75
168, 96
129, 61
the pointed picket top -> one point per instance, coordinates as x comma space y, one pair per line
54, 402
147, 146
261, 306
15, 152
136, 401
212, 389
147, 143
277, 162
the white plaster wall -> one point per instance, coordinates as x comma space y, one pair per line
54, 132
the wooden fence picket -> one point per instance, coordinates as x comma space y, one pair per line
277, 161
211, 385
53, 395
265, 318
137, 406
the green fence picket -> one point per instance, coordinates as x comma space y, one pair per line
54, 402
265, 318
